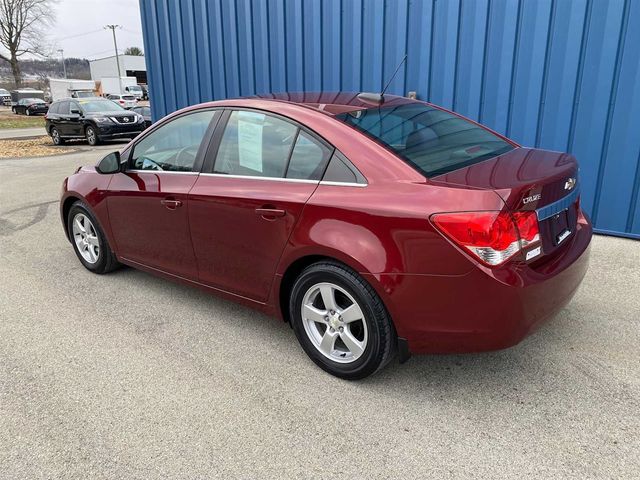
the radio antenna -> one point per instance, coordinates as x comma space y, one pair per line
393, 76
378, 98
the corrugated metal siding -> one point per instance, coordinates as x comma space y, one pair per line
556, 74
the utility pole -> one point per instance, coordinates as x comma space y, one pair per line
64, 67
115, 46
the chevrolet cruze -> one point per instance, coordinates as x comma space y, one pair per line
375, 225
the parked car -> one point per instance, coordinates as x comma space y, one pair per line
30, 106
125, 101
145, 112
5, 97
372, 224
95, 119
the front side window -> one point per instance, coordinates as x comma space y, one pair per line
173, 146
431, 140
259, 145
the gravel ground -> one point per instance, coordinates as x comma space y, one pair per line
33, 147
131, 376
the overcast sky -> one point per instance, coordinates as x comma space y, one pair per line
79, 27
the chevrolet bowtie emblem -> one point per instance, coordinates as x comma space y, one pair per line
570, 183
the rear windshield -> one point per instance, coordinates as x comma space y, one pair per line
431, 140
128, 97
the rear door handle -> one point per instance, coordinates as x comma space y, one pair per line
171, 203
270, 213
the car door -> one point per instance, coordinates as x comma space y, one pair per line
243, 207
147, 203
75, 119
62, 121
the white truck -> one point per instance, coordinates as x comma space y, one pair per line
67, 87
117, 86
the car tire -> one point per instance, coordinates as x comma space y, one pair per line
92, 136
55, 137
89, 241
350, 347
27, 112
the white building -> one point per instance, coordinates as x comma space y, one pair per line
130, 66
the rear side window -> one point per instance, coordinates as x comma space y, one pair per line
431, 140
63, 107
255, 144
259, 145
53, 108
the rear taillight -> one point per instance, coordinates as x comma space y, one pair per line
492, 237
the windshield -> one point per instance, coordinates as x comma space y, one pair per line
429, 139
135, 88
95, 106
84, 94
3, 91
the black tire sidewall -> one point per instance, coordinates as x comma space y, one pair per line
53, 137
373, 355
95, 136
101, 264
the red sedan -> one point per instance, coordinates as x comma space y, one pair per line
374, 226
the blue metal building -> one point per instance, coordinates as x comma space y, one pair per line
557, 74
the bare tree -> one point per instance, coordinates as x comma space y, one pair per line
136, 51
22, 24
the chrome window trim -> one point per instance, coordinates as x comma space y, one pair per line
134, 170
343, 184
253, 177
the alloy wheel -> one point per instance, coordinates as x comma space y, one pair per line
56, 136
334, 322
86, 238
91, 136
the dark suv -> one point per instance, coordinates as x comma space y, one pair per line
93, 118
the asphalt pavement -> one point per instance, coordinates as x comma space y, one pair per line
130, 376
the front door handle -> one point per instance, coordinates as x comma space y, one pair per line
270, 213
171, 203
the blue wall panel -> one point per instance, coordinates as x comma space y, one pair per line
556, 74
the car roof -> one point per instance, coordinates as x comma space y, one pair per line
335, 103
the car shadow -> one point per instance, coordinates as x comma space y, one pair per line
457, 375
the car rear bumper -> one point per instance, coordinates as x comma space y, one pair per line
483, 309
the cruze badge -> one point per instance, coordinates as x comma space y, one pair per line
532, 198
570, 183
126, 119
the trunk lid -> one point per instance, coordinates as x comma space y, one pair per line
530, 179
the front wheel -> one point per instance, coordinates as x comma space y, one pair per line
92, 136
340, 321
88, 240
27, 112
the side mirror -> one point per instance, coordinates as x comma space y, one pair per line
75, 111
109, 164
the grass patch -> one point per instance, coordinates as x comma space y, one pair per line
20, 121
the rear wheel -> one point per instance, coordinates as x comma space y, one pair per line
88, 240
340, 321
55, 137
92, 136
